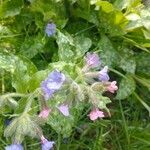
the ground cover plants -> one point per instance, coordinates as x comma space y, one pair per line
74, 74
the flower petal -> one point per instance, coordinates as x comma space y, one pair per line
64, 109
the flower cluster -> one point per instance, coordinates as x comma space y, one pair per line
49, 86
92, 61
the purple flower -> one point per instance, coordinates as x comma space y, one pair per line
50, 29
52, 83
64, 109
92, 60
46, 145
103, 74
14, 147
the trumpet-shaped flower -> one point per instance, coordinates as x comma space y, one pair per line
92, 60
53, 83
64, 109
112, 87
44, 113
46, 145
103, 74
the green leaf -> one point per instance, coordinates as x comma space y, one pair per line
51, 10
10, 8
4, 31
108, 54
32, 46
22, 73
146, 34
112, 20
105, 6
145, 17
128, 65
127, 61
143, 65
82, 44
122, 4
12, 103
145, 82
72, 48
103, 102
36, 79
8, 62
22, 126
66, 47
126, 87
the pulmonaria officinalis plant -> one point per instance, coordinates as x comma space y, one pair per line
61, 96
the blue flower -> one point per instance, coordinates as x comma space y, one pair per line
103, 74
47, 145
50, 29
53, 83
14, 147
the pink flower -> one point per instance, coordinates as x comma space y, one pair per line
112, 87
95, 114
44, 113
64, 109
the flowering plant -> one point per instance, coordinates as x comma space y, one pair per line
61, 62
61, 96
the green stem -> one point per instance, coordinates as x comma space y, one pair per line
124, 123
117, 72
9, 36
59, 142
30, 99
29, 103
42, 102
142, 102
84, 30
14, 95
3, 82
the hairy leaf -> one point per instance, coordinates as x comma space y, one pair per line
126, 87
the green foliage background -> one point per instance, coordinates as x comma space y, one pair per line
119, 30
